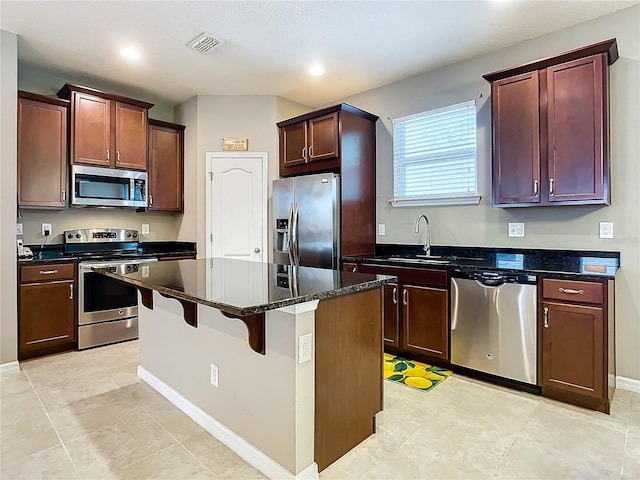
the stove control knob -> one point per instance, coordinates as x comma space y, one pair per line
128, 268
128, 234
70, 236
135, 234
78, 235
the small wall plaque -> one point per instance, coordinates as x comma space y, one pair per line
235, 144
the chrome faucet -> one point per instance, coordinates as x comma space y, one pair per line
427, 234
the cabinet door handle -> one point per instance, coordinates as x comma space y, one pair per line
355, 268
304, 153
64, 195
535, 188
546, 317
571, 291
117, 156
108, 155
71, 292
404, 296
551, 186
48, 272
311, 151
150, 199
394, 295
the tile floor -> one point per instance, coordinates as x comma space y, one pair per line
85, 415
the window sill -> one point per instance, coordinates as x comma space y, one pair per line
422, 202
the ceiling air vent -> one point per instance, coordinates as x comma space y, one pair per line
204, 43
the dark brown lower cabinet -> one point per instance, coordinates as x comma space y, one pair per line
424, 320
391, 320
572, 343
577, 356
46, 315
416, 311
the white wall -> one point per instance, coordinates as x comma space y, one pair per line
548, 227
8, 136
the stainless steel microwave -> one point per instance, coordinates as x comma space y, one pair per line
106, 187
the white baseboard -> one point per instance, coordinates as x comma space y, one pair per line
630, 384
9, 367
250, 454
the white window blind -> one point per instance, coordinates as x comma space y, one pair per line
434, 156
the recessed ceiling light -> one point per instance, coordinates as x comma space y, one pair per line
316, 70
130, 53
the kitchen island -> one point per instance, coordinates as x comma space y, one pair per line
282, 364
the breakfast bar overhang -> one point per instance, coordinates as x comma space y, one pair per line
245, 326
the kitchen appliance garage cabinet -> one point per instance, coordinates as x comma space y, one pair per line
46, 309
105, 129
551, 129
42, 151
166, 166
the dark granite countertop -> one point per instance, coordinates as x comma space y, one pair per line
54, 253
244, 288
562, 263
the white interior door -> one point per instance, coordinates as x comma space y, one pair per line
237, 205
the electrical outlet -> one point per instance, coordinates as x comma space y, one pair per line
305, 347
381, 229
145, 229
19, 229
606, 229
214, 375
516, 229
46, 229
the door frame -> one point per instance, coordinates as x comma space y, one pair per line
211, 157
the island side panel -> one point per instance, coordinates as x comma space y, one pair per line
267, 400
349, 363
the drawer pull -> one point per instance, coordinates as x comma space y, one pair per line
404, 296
71, 292
546, 317
571, 291
394, 296
48, 272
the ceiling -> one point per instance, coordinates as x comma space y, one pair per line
269, 45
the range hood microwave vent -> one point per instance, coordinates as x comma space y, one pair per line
204, 43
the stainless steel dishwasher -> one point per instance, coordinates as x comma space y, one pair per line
493, 323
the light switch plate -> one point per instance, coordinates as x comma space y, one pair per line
19, 229
516, 229
606, 229
381, 229
145, 229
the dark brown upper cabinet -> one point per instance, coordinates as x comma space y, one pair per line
106, 130
42, 151
166, 166
339, 139
551, 129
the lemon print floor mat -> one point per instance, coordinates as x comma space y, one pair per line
413, 374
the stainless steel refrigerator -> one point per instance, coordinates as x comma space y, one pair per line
306, 220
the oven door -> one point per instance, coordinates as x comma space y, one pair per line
102, 298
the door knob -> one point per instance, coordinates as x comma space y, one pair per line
257, 250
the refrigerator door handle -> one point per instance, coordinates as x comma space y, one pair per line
290, 235
294, 235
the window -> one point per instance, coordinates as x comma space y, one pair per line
434, 157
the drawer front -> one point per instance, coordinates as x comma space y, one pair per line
45, 273
421, 276
572, 291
